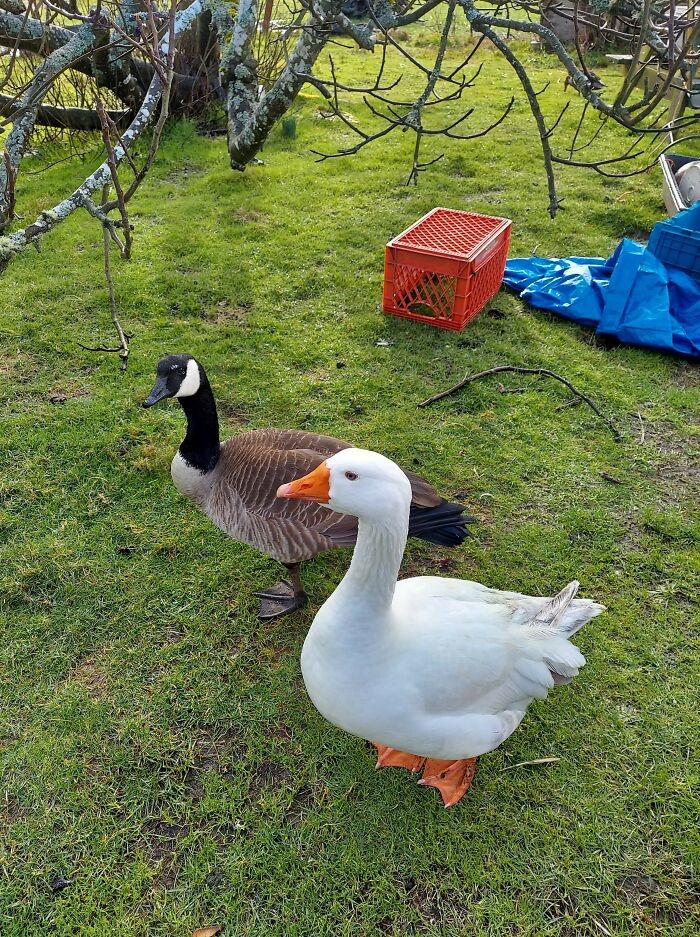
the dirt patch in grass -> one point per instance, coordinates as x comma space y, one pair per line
644, 893
267, 775
160, 845
427, 565
303, 802
194, 788
182, 172
282, 731
227, 312
67, 390
678, 470
559, 904
214, 750
216, 880
233, 414
273, 653
212, 744
637, 887
247, 216
11, 811
89, 675
686, 375
426, 899
19, 365
449, 909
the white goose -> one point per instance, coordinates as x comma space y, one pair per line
434, 671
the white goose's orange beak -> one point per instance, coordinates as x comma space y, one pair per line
312, 487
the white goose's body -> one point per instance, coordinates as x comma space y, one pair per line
440, 668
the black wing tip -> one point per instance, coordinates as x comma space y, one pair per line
445, 538
444, 525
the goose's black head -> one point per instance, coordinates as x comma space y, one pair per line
176, 376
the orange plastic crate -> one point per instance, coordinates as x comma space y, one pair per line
445, 267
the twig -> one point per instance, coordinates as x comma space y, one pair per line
535, 761
123, 348
107, 222
112, 163
166, 76
611, 478
532, 95
9, 193
99, 348
574, 402
643, 433
544, 372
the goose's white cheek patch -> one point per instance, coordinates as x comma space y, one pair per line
190, 383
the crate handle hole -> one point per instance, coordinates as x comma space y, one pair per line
423, 309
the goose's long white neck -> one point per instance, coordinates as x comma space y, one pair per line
368, 585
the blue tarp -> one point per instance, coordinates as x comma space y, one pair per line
631, 296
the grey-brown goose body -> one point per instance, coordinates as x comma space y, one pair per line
239, 493
235, 485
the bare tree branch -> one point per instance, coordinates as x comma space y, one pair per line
12, 244
62, 62
544, 372
123, 347
67, 118
82, 41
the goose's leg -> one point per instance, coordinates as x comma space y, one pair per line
452, 778
284, 598
393, 758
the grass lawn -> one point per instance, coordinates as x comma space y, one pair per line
160, 765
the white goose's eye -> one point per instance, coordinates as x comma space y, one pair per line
351, 476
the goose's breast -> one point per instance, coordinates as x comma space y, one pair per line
189, 481
353, 686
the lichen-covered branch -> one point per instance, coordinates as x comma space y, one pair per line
251, 123
80, 43
65, 118
112, 67
524, 78
578, 79
239, 69
31, 35
13, 6
14, 243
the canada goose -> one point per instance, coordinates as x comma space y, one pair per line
235, 483
434, 671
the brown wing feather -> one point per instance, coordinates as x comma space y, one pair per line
424, 495
257, 463
251, 469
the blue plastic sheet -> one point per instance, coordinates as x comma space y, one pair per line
631, 296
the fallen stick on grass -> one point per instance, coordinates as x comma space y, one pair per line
543, 372
535, 761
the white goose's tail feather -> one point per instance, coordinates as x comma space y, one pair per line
553, 625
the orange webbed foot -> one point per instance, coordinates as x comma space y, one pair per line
393, 758
452, 778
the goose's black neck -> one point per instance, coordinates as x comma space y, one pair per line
200, 447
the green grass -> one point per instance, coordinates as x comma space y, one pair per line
157, 749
